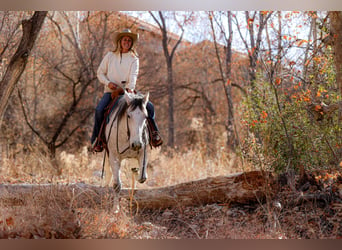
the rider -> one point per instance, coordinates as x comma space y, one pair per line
119, 70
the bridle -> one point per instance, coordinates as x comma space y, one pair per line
117, 133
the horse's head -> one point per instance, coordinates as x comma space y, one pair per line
136, 118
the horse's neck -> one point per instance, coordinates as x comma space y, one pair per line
114, 117
113, 120
117, 133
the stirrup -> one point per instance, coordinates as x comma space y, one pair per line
96, 146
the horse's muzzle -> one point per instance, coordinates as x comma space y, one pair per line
136, 146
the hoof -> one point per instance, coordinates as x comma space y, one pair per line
116, 205
116, 208
142, 180
117, 188
135, 170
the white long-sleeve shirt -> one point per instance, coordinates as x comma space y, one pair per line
121, 69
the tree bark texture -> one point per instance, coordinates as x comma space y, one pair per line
232, 135
18, 62
336, 32
242, 188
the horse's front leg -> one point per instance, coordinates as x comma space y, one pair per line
115, 165
143, 165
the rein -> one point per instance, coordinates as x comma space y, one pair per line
117, 136
117, 133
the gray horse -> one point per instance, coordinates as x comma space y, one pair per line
127, 137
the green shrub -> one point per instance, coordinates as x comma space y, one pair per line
287, 132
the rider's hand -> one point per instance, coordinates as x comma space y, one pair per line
112, 86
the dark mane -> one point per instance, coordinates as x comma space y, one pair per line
137, 102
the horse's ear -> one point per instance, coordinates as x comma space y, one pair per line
146, 97
128, 97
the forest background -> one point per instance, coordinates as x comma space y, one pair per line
233, 91
265, 85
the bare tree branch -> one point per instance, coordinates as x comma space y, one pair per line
31, 29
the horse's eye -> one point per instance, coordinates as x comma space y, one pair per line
128, 116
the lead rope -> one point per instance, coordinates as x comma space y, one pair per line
131, 196
134, 172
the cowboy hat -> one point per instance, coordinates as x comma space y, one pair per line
126, 32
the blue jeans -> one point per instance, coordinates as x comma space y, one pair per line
151, 115
100, 110
99, 115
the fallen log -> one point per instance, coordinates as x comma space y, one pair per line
241, 188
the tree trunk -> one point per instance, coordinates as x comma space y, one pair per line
242, 188
232, 135
336, 31
171, 132
168, 57
18, 62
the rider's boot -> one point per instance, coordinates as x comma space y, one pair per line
155, 138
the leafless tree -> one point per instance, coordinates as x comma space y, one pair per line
71, 66
167, 42
226, 71
31, 28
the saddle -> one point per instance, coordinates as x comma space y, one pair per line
101, 142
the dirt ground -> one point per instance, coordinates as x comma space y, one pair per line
305, 212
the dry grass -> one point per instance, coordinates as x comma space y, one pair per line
192, 165
163, 170
54, 214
